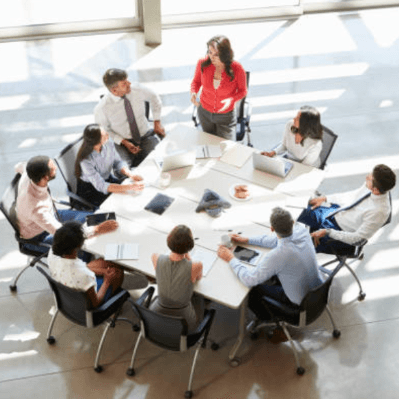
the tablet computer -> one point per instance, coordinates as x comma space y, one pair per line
97, 218
247, 255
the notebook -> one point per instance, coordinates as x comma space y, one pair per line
127, 251
276, 166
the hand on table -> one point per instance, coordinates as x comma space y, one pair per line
316, 235
225, 253
238, 238
136, 186
269, 153
106, 227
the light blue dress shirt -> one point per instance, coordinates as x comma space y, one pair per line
98, 166
292, 260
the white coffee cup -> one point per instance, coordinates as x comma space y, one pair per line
226, 240
164, 179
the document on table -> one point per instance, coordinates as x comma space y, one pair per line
236, 154
127, 251
207, 258
208, 151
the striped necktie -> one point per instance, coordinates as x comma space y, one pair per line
132, 121
346, 208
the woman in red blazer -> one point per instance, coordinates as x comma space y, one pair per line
223, 83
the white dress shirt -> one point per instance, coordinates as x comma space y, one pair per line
308, 153
363, 220
111, 115
292, 260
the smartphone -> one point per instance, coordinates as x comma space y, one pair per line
97, 218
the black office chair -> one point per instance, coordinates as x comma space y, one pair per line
66, 164
280, 315
328, 140
7, 206
74, 305
243, 111
169, 332
354, 253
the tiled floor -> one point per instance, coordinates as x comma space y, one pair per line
344, 64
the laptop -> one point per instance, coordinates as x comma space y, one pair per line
176, 160
276, 166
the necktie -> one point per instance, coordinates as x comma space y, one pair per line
132, 121
357, 202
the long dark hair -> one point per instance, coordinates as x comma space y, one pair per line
309, 123
226, 54
91, 137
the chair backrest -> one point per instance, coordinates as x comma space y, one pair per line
240, 105
66, 163
8, 202
328, 140
316, 300
165, 331
70, 302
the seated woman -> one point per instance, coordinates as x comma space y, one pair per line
99, 278
302, 138
95, 162
176, 275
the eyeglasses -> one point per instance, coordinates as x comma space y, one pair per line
294, 129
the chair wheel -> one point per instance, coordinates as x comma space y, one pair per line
98, 369
136, 327
300, 371
236, 361
51, 340
130, 372
336, 333
215, 346
188, 394
361, 296
13, 288
254, 335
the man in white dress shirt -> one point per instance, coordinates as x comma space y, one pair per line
121, 112
353, 217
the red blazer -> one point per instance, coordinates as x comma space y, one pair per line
211, 98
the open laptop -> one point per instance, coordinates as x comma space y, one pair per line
276, 166
176, 160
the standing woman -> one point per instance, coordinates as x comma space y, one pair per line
223, 83
95, 163
302, 140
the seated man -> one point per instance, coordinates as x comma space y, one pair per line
121, 113
99, 278
37, 216
353, 217
292, 262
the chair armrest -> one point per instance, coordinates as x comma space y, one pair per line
202, 329
146, 297
122, 295
87, 204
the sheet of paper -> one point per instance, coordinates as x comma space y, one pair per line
237, 155
205, 256
127, 251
